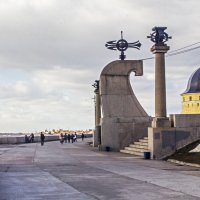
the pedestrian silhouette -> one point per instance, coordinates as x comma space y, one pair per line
42, 137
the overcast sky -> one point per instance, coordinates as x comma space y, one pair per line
51, 51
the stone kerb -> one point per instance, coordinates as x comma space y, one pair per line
124, 119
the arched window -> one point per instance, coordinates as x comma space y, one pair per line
190, 98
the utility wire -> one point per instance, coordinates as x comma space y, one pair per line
184, 51
148, 58
184, 47
178, 51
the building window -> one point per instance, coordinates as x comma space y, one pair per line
188, 105
199, 97
190, 98
183, 98
197, 104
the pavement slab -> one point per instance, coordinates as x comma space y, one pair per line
80, 172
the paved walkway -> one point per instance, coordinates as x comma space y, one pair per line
80, 172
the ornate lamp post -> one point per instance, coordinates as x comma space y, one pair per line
122, 45
159, 37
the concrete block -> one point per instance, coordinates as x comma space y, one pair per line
161, 142
185, 120
165, 141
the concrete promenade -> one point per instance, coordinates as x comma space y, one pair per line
80, 172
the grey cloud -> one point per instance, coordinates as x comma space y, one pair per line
59, 48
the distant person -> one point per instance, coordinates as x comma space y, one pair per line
68, 137
82, 136
75, 137
72, 137
26, 139
65, 137
42, 137
61, 138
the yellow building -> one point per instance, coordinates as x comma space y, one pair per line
191, 97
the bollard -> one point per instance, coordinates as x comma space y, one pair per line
147, 155
107, 148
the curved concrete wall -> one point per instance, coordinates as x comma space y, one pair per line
124, 119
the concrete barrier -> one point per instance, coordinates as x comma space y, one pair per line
19, 139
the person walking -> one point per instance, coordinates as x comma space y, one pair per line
42, 137
61, 138
82, 136
65, 137
68, 137
26, 139
32, 137
75, 137
72, 137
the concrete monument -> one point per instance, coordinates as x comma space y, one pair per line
167, 134
159, 37
123, 118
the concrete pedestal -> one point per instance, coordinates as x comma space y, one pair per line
161, 122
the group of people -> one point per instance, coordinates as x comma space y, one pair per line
70, 137
29, 138
63, 138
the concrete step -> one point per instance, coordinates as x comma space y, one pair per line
143, 140
138, 146
141, 143
132, 152
135, 149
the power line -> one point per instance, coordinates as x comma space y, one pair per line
178, 51
184, 51
148, 58
184, 47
